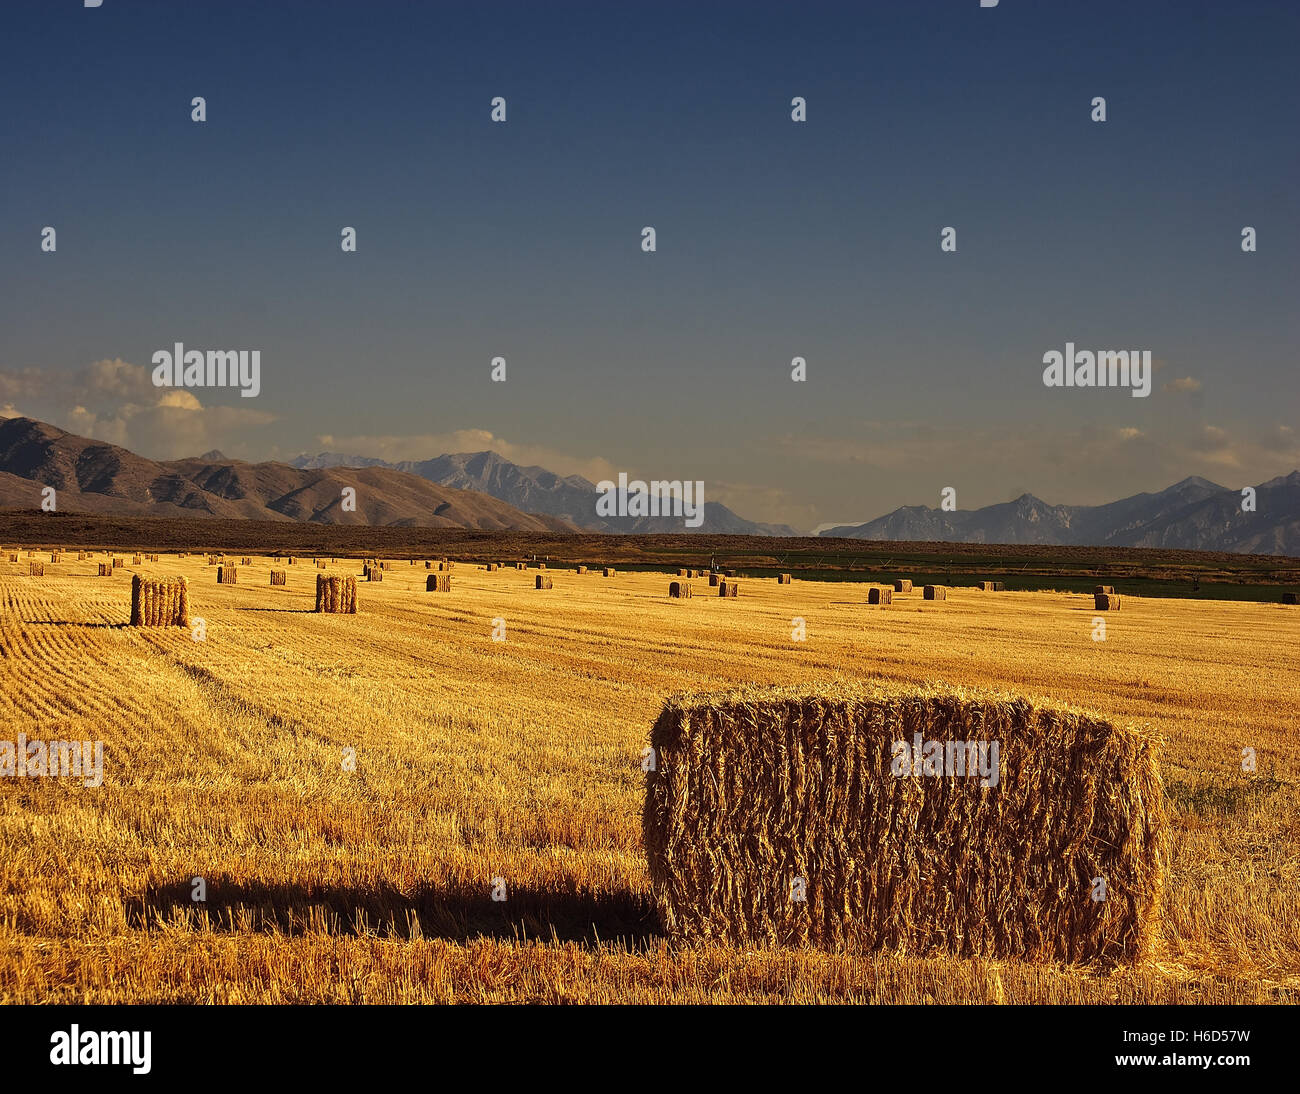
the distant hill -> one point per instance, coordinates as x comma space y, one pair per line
536, 490
94, 477
1192, 515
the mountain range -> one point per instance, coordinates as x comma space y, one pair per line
536, 490
1194, 514
483, 490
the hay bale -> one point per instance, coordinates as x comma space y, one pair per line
291, 560
491, 567
518, 566
1291, 598
984, 586
783, 579
683, 573
728, 573
36, 569
336, 594
728, 588
1103, 590
610, 571
438, 583
755, 791
582, 569
714, 579
56, 556
903, 585
279, 577
227, 574
136, 560
880, 596
160, 602
679, 590
543, 582
1105, 602
999, 587
105, 570
936, 592
13, 556
320, 564
246, 561
81, 556
117, 563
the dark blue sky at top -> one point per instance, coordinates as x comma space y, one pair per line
775, 239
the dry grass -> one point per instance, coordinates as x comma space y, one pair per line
522, 760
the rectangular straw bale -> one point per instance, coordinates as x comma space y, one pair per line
117, 563
105, 569
36, 569
518, 566
1099, 590
784, 579
880, 596
81, 556
159, 602
728, 588
582, 569
760, 797
543, 582
56, 556
714, 579
246, 561
227, 574
936, 592
999, 587
985, 586
1105, 602
683, 573
137, 560
13, 556
679, 590
336, 594
610, 571
437, 583
491, 567
903, 585
279, 577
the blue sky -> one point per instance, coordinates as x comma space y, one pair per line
775, 239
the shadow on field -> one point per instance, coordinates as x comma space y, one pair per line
456, 912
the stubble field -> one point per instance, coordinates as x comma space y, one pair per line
515, 766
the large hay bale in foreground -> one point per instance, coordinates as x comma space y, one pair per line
543, 582
679, 590
903, 586
36, 569
1105, 602
279, 577
761, 797
936, 592
880, 596
1100, 590
160, 602
336, 594
227, 574
728, 588
438, 583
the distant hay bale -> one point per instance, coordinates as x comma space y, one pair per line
987, 586
491, 567
683, 573
36, 569
428, 565
714, 579
56, 556
13, 556
117, 563
582, 569
518, 566
1291, 598
160, 602
1100, 590
728, 588
610, 571
336, 594
936, 592
880, 596
679, 590
903, 585
292, 560
783, 579
246, 561
798, 816
279, 577
543, 582
999, 587
81, 556
1105, 602
320, 564
105, 569
227, 574
412, 562
437, 583
728, 573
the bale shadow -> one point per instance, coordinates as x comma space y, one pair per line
76, 623
456, 912
291, 611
